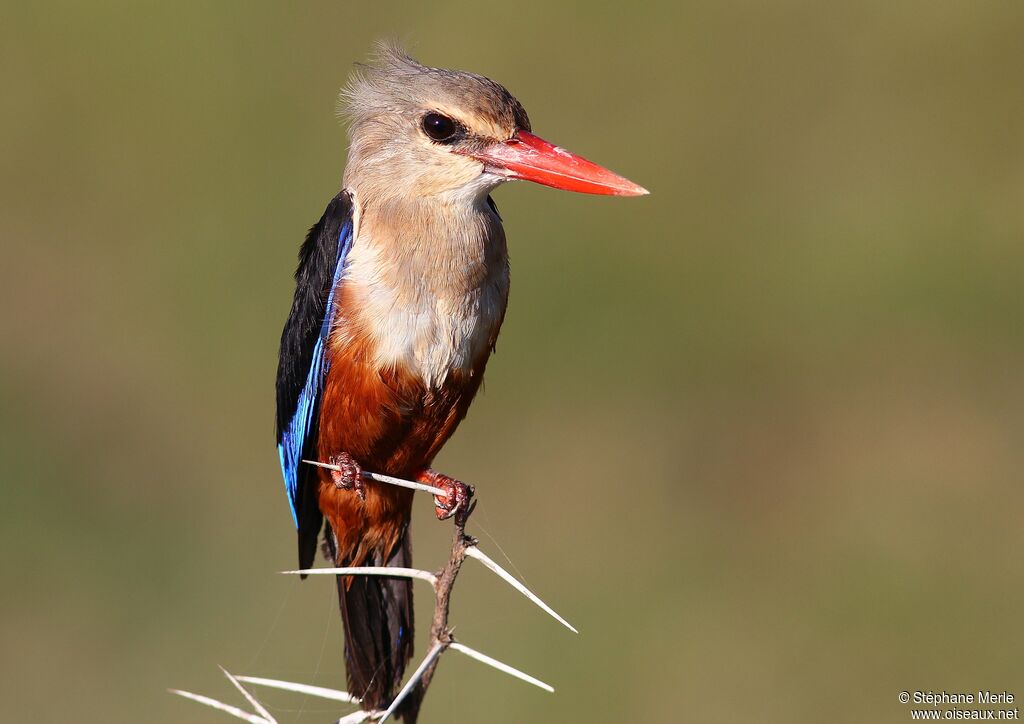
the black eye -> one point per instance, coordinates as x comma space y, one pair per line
440, 128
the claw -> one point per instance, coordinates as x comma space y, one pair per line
350, 476
457, 493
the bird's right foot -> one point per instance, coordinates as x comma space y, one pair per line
350, 475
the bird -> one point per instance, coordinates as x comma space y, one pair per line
400, 293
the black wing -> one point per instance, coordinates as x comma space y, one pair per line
302, 367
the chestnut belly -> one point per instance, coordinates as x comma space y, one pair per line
391, 423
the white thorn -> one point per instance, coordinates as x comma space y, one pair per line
413, 680
393, 572
320, 691
250, 698
484, 658
227, 708
406, 484
475, 552
380, 478
356, 717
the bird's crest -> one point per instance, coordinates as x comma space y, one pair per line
393, 82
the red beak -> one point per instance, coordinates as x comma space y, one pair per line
528, 157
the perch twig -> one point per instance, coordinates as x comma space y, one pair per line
441, 639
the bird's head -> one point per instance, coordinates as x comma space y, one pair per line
428, 132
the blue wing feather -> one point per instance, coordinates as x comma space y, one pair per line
293, 441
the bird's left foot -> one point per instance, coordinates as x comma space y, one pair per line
457, 494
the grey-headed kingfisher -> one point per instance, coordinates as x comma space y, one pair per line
400, 292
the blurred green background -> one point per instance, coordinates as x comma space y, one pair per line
758, 435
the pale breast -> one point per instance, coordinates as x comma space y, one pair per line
431, 306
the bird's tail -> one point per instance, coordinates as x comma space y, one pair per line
377, 615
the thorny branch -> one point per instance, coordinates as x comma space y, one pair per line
441, 638
440, 632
